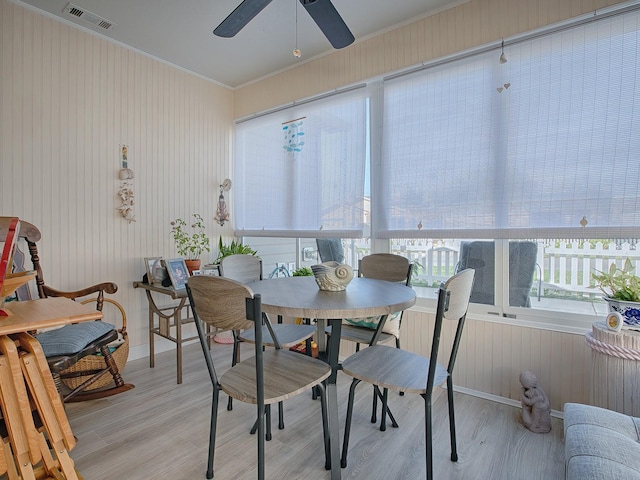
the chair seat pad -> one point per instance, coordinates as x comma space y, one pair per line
286, 374
392, 368
288, 335
71, 339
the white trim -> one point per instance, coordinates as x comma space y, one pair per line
498, 399
295, 103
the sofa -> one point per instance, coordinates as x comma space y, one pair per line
600, 444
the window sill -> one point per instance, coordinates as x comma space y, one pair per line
576, 319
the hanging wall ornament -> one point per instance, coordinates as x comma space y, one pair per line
125, 192
222, 212
293, 136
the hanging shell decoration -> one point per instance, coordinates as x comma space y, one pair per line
332, 276
125, 192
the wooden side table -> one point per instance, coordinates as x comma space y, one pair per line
168, 318
615, 381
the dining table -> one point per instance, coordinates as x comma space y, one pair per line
300, 297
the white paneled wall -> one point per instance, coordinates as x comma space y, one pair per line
69, 100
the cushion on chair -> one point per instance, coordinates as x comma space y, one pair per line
391, 326
600, 443
71, 339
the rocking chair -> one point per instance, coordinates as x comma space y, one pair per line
86, 358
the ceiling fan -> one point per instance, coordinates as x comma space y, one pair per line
322, 11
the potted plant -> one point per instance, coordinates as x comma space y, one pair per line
234, 248
302, 272
191, 244
622, 291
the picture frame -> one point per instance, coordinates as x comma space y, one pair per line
178, 272
211, 270
152, 277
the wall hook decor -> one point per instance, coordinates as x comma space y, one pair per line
222, 212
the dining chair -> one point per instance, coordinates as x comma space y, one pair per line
86, 359
399, 370
379, 329
246, 269
270, 376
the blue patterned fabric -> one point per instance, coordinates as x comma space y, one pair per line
71, 339
391, 326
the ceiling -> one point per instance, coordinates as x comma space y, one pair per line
180, 32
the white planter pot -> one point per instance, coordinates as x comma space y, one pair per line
630, 311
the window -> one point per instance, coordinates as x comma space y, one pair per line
471, 161
300, 172
486, 165
478, 149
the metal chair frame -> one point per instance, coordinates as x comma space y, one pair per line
436, 374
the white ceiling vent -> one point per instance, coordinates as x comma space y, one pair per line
96, 20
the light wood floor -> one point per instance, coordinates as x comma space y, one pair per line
159, 430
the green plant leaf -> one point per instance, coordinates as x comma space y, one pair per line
190, 245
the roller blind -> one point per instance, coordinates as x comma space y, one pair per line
546, 145
300, 172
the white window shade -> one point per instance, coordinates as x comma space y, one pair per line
438, 151
314, 190
525, 149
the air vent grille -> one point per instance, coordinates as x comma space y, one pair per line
75, 11
88, 17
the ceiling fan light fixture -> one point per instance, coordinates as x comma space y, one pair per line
330, 22
322, 12
296, 51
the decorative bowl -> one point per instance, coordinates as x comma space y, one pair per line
332, 276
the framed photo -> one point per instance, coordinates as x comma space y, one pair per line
178, 272
153, 266
197, 272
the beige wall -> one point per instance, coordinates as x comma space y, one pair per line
475, 23
68, 101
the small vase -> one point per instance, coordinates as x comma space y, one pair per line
332, 276
192, 265
630, 311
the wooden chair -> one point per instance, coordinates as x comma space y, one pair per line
270, 376
246, 269
374, 330
399, 370
80, 356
